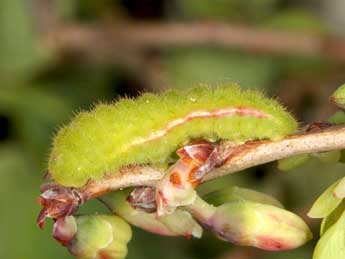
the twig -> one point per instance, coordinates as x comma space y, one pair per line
107, 41
239, 158
45, 15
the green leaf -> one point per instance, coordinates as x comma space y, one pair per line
332, 243
325, 204
293, 162
338, 97
331, 219
339, 190
337, 118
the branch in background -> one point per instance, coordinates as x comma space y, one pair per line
45, 15
107, 42
239, 158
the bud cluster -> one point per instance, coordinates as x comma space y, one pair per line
179, 223
94, 236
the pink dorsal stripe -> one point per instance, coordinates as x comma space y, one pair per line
199, 115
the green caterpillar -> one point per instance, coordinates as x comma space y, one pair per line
151, 128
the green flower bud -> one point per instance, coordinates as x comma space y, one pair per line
234, 193
94, 236
176, 224
253, 224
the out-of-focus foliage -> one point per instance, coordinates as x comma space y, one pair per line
41, 88
252, 10
296, 20
186, 67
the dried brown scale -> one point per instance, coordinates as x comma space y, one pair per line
175, 188
318, 126
143, 198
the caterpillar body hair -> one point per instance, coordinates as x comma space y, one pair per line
151, 128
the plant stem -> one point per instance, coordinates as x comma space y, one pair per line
239, 158
201, 210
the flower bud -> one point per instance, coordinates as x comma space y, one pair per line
234, 193
253, 224
176, 224
263, 226
65, 229
94, 236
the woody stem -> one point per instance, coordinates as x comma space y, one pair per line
239, 158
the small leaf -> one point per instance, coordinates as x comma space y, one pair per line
337, 118
332, 243
339, 190
331, 219
338, 97
293, 162
325, 204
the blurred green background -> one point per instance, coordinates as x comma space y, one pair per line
50, 68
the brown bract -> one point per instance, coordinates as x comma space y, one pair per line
57, 202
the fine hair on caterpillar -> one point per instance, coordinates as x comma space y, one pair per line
152, 128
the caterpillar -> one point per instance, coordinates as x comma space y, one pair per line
149, 129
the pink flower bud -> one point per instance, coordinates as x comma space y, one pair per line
249, 223
65, 229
